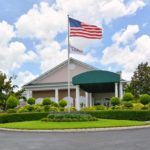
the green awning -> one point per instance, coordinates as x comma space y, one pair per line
96, 81
96, 76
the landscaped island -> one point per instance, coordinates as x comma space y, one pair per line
101, 123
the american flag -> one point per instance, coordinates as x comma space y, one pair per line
80, 29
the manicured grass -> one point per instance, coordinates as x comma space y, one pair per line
101, 123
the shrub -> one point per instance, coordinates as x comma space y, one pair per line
31, 101
128, 97
115, 101
148, 105
68, 117
140, 115
145, 108
62, 103
18, 117
127, 105
53, 109
117, 107
54, 104
62, 109
46, 108
30, 108
49, 108
38, 108
145, 99
12, 102
72, 109
46, 101
137, 106
45, 119
100, 107
22, 110
92, 108
11, 111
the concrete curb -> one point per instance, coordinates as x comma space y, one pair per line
76, 130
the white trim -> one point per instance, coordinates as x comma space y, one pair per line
53, 88
47, 85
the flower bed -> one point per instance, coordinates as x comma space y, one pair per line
69, 117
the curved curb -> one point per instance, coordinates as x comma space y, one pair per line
76, 130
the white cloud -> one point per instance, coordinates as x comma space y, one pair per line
45, 22
42, 21
99, 10
129, 56
52, 55
87, 58
117, 8
6, 33
125, 35
12, 53
23, 78
133, 5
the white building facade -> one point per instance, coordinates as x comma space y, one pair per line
54, 84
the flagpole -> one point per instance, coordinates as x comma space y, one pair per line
68, 67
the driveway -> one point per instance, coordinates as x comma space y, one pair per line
135, 139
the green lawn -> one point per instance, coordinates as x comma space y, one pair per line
102, 123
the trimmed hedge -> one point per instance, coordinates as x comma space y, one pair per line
139, 115
18, 117
68, 117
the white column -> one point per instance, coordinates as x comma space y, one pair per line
121, 90
116, 89
77, 101
29, 94
90, 99
86, 98
56, 95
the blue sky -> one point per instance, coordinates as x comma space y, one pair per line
33, 35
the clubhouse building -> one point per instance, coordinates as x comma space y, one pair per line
89, 86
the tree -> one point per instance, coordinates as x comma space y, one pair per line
12, 102
115, 101
62, 103
46, 101
7, 89
145, 99
31, 101
128, 97
140, 82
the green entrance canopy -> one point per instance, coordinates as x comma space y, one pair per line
96, 81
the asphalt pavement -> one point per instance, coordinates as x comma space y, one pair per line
133, 139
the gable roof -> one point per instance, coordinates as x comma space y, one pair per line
59, 66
